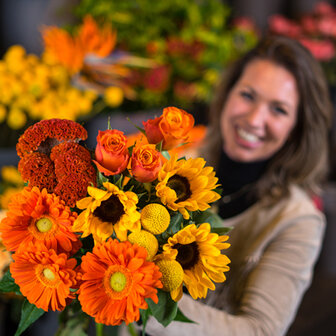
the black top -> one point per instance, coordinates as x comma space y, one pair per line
237, 180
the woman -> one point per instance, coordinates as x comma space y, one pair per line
268, 141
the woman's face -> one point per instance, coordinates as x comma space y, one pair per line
260, 112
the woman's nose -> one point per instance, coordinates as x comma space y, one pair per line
256, 116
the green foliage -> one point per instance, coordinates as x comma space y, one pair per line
165, 310
192, 41
8, 285
29, 314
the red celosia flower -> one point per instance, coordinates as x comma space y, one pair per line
47, 133
35, 215
51, 158
116, 281
44, 277
73, 170
38, 169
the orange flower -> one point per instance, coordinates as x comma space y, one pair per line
94, 40
44, 277
66, 50
152, 129
35, 215
146, 163
116, 281
51, 158
172, 127
111, 152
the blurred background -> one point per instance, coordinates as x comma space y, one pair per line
172, 56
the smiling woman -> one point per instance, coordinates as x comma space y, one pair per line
267, 138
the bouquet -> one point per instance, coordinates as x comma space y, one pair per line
114, 234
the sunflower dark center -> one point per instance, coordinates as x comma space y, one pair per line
181, 186
187, 255
110, 210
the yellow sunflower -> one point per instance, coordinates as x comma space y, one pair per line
187, 185
199, 253
107, 211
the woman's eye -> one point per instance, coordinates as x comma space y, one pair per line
247, 95
280, 110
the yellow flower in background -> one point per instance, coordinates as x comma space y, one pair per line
107, 211
187, 185
198, 251
16, 118
3, 113
5, 198
113, 96
10, 174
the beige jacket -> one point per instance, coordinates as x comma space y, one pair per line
272, 253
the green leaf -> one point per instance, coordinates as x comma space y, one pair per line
29, 314
175, 223
207, 216
101, 178
7, 284
182, 318
166, 154
144, 317
159, 146
221, 230
165, 310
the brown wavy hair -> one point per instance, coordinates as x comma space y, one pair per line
303, 159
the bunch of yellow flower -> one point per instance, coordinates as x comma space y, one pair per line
33, 87
10, 183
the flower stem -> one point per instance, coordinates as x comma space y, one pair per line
99, 329
131, 329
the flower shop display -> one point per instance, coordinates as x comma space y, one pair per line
34, 88
10, 183
189, 41
113, 234
316, 31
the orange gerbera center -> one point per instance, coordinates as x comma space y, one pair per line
47, 276
117, 282
44, 224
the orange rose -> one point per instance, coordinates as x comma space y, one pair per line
152, 129
146, 163
111, 152
172, 127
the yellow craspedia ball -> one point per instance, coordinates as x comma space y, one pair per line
146, 240
155, 218
172, 274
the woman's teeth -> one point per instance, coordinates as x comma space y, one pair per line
247, 136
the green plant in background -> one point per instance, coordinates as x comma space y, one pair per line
190, 41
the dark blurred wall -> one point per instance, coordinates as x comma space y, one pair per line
20, 21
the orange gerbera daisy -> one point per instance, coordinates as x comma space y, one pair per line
35, 215
44, 277
116, 281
